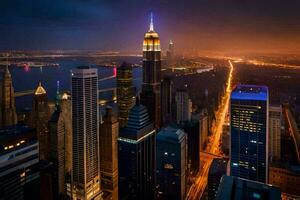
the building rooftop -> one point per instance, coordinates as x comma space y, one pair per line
250, 92
171, 134
219, 165
84, 72
235, 188
138, 124
65, 96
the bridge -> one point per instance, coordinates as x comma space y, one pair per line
293, 129
31, 92
24, 93
113, 89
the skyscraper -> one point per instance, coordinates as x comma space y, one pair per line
8, 115
60, 145
57, 153
171, 163
124, 92
85, 127
275, 116
170, 54
166, 100
183, 106
249, 132
109, 132
39, 119
137, 156
66, 112
150, 96
192, 129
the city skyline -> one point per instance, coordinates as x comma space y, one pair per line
208, 26
170, 124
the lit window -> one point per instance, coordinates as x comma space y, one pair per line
256, 196
22, 175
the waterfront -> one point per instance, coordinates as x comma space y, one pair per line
24, 80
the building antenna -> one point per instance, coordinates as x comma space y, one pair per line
151, 28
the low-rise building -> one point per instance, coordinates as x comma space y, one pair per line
286, 177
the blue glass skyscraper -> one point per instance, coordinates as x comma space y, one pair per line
249, 132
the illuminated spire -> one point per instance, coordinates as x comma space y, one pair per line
151, 28
40, 90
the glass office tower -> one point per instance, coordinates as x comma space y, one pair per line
249, 132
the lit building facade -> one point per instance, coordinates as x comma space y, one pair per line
8, 114
124, 92
150, 96
85, 128
249, 106
109, 132
171, 163
19, 163
137, 157
183, 106
39, 119
275, 117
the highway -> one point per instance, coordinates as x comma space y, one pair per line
197, 189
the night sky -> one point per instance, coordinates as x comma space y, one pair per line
119, 25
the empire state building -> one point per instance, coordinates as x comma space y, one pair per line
150, 96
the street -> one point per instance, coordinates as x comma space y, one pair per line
197, 189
